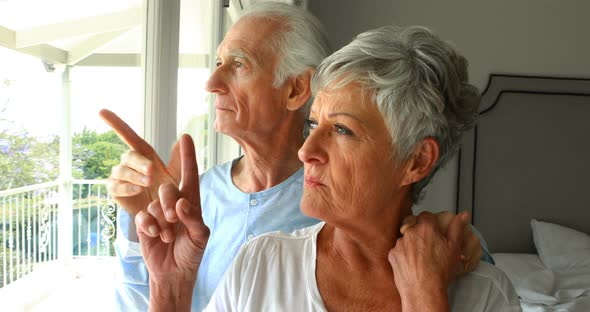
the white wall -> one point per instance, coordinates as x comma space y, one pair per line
525, 37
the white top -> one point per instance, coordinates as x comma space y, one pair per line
276, 272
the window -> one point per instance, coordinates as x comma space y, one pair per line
194, 68
60, 62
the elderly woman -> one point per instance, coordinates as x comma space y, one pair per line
389, 110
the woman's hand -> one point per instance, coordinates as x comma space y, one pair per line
471, 250
135, 181
424, 261
173, 237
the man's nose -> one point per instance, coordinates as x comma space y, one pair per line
216, 83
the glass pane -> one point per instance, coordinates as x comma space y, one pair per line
110, 77
95, 147
194, 70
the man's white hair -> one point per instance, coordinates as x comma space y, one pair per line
302, 45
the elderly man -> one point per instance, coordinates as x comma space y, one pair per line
262, 83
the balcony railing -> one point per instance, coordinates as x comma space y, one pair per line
94, 215
29, 228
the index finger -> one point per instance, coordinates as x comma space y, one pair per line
190, 171
126, 134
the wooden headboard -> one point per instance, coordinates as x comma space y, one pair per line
528, 157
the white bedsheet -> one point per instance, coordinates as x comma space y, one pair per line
541, 289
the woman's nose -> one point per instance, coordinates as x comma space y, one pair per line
314, 149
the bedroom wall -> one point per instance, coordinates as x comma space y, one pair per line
526, 37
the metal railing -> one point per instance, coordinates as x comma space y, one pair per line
94, 215
29, 228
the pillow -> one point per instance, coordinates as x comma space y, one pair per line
536, 284
531, 279
561, 248
518, 266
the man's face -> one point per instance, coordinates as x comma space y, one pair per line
247, 103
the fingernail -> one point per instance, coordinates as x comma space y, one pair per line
145, 180
170, 214
465, 217
185, 207
153, 230
135, 188
167, 236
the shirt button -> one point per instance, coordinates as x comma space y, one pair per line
253, 202
250, 237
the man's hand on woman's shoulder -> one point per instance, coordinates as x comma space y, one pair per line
471, 250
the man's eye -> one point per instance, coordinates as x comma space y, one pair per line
238, 64
340, 129
218, 63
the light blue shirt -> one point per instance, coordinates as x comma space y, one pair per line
233, 217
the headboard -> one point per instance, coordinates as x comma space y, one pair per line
528, 157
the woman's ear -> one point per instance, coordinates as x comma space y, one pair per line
299, 90
422, 161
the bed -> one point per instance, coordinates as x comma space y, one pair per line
524, 175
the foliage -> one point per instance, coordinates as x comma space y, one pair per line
26, 160
95, 154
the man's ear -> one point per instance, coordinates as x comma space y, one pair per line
299, 90
422, 161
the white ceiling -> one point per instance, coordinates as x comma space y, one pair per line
95, 32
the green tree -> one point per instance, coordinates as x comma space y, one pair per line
24, 160
45, 155
95, 154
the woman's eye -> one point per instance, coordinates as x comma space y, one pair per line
310, 124
340, 129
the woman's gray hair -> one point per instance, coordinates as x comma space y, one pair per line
303, 44
418, 82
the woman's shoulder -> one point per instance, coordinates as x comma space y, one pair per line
258, 278
487, 288
280, 237
289, 245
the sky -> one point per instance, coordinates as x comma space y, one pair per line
32, 108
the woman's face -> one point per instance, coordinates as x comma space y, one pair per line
350, 174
